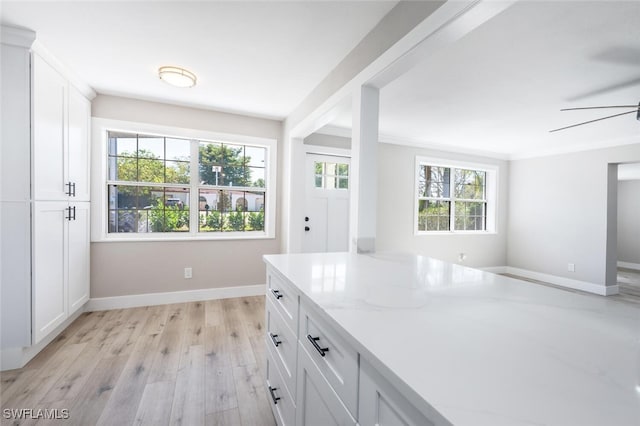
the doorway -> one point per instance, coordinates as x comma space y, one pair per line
326, 208
628, 241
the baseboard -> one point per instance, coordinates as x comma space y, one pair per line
564, 282
150, 299
495, 269
12, 358
629, 265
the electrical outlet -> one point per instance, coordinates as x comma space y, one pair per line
188, 273
571, 267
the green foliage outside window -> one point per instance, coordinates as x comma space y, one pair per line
168, 218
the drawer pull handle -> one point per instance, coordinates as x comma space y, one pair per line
274, 340
273, 395
314, 342
276, 293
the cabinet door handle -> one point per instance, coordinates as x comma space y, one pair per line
275, 341
276, 293
68, 216
74, 212
68, 192
314, 342
273, 395
74, 190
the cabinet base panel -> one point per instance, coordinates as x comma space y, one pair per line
12, 358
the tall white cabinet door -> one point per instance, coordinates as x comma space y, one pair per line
79, 152
49, 296
78, 259
49, 151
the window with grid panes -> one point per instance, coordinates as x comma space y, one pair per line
151, 184
451, 198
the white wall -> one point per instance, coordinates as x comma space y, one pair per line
629, 221
125, 268
330, 141
396, 204
558, 212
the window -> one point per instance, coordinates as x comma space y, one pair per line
231, 180
331, 175
454, 197
170, 186
146, 185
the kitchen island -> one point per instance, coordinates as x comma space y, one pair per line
387, 338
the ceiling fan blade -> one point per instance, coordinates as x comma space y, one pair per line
601, 107
593, 121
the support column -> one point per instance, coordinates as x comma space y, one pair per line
364, 164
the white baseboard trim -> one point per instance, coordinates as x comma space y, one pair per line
629, 265
495, 269
564, 282
150, 299
12, 358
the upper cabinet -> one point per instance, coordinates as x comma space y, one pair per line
78, 151
61, 120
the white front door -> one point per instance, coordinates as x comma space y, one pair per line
326, 220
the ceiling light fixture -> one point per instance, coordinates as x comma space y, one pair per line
177, 76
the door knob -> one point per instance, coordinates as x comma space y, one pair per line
306, 228
306, 218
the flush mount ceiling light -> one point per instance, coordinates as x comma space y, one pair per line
177, 76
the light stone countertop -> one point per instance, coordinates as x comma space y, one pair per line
479, 348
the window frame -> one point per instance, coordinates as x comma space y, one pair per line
100, 181
491, 195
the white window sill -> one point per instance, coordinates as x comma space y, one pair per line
429, 233
116, 238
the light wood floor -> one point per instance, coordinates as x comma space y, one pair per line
184, 364
629, 282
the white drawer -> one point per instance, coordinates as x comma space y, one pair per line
282, 404
284, 345
285, 298
336, 360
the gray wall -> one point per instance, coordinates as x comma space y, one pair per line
629, 221
558, 212
396, 174
158, 266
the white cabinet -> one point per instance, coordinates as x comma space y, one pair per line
45, 197
335, 358
79, 229
60, 164
282, 403
317, 402
60, 263
78, 152
15, 190
61, 117
48, 273
49, 132
381, 404
284, 345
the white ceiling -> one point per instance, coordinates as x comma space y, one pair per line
499, 90
257, 58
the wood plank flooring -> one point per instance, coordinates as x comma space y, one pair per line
199, 363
